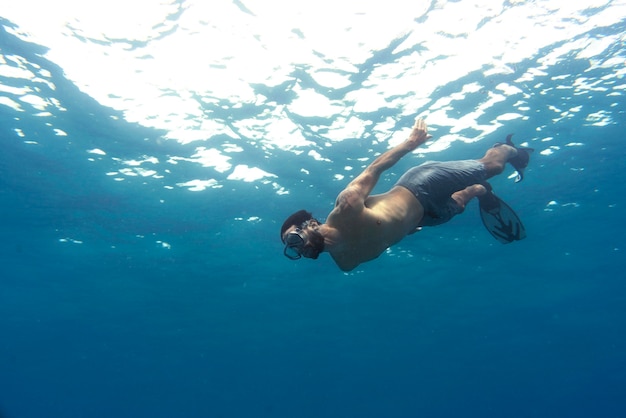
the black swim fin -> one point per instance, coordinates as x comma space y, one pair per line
499, 219
520, 161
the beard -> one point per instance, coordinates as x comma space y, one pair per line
316, 243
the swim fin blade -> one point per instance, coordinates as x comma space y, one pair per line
499, 219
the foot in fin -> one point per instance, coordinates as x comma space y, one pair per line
499, 219
520, 161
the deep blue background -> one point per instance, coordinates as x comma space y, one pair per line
222, 325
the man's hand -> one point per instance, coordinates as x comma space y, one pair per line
419, 135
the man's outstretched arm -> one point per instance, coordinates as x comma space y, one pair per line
364, 183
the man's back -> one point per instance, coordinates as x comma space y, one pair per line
365, 231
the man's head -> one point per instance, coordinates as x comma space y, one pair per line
301, 237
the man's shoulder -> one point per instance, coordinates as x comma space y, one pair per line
350, 199
346, 210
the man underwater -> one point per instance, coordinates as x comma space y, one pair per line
361, 227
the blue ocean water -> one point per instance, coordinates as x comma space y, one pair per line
129, 298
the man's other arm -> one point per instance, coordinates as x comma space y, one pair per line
354, 195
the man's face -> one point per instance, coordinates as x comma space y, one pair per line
298, 243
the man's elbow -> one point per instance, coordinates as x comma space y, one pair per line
348, 200
347, 268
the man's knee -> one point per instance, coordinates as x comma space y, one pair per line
460, 201
493, 168
462, 197
495, 159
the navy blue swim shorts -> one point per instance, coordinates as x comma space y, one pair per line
433, 183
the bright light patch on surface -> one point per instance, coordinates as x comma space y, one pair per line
317, 156
35, 101
145, 173
164, 245
600, 118
137, 163
211, 158
310, 103
10, 71
16, 91
6, 101
70, 240
199, 185
509, 116
128, 172
248, 174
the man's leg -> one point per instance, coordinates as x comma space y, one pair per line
462, 197
495, 159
